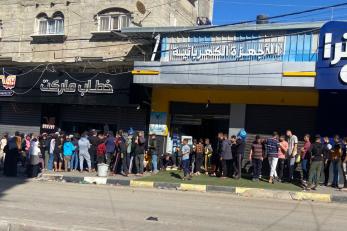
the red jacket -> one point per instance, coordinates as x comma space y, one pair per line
101, 149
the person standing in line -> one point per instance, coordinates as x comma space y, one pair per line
44, 145
305, 156
240, 150
199, 157
215, 168
123, 154
110, 148
68, 149
3, 143
140, 153
292, 152
51, 152
130, 151
74, 157
335, 171
185, 160
234, 152
101, 151
336, 178
327, 147
226, 158
316, 154
58, 153
83, 147
93, 139
12, 150
283, 149
344, 157
153, 149
256, 156
208, 154
272, 147
193, 157
34, 161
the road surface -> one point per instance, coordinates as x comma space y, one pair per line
88, 207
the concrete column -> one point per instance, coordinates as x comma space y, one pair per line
237, 118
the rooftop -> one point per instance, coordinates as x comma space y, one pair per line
150, 31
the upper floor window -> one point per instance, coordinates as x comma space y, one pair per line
113, 19
50, 25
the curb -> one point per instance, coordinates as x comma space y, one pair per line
240, 191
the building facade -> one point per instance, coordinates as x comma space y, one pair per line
66, 64
260, 77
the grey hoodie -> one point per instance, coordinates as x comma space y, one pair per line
83, 145
226, 150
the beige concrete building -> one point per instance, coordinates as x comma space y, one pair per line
36, 31
65, 63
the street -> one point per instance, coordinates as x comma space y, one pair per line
89, 207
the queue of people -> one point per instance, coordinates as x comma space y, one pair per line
322, 162
123, 152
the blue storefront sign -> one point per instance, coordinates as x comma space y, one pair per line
332, 57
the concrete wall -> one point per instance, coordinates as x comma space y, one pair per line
18, 18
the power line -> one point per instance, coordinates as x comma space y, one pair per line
268, 18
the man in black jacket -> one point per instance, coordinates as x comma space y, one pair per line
93, 139
139, 151
316, 152
240, 149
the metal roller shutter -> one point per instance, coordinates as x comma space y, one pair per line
124, 118
25, 118
264, 119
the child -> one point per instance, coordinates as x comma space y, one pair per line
68, 149
185, 159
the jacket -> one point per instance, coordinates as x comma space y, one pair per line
240, 147
68, 148
226, 150
140, 146
110, 144
84, 145
122, 146
101, 149
316, 152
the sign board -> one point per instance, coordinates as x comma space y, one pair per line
158, 124
226, 51
331, 66
72, 88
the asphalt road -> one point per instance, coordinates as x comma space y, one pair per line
88, 207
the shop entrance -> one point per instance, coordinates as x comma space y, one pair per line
199, 120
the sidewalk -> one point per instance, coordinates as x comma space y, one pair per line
169, 180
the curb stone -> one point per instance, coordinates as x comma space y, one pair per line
241, 191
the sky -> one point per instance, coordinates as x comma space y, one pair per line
229, 11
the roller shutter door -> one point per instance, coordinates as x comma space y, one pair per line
264, 119
25, 118
124, 118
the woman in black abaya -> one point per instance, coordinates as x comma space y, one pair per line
12, 153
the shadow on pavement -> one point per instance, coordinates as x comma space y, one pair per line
6, 183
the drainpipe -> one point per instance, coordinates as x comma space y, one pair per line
155, 47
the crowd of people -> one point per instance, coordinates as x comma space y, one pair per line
122, 152
321, 162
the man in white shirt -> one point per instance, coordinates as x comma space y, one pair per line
292, 152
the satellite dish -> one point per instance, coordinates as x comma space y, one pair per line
140, 7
